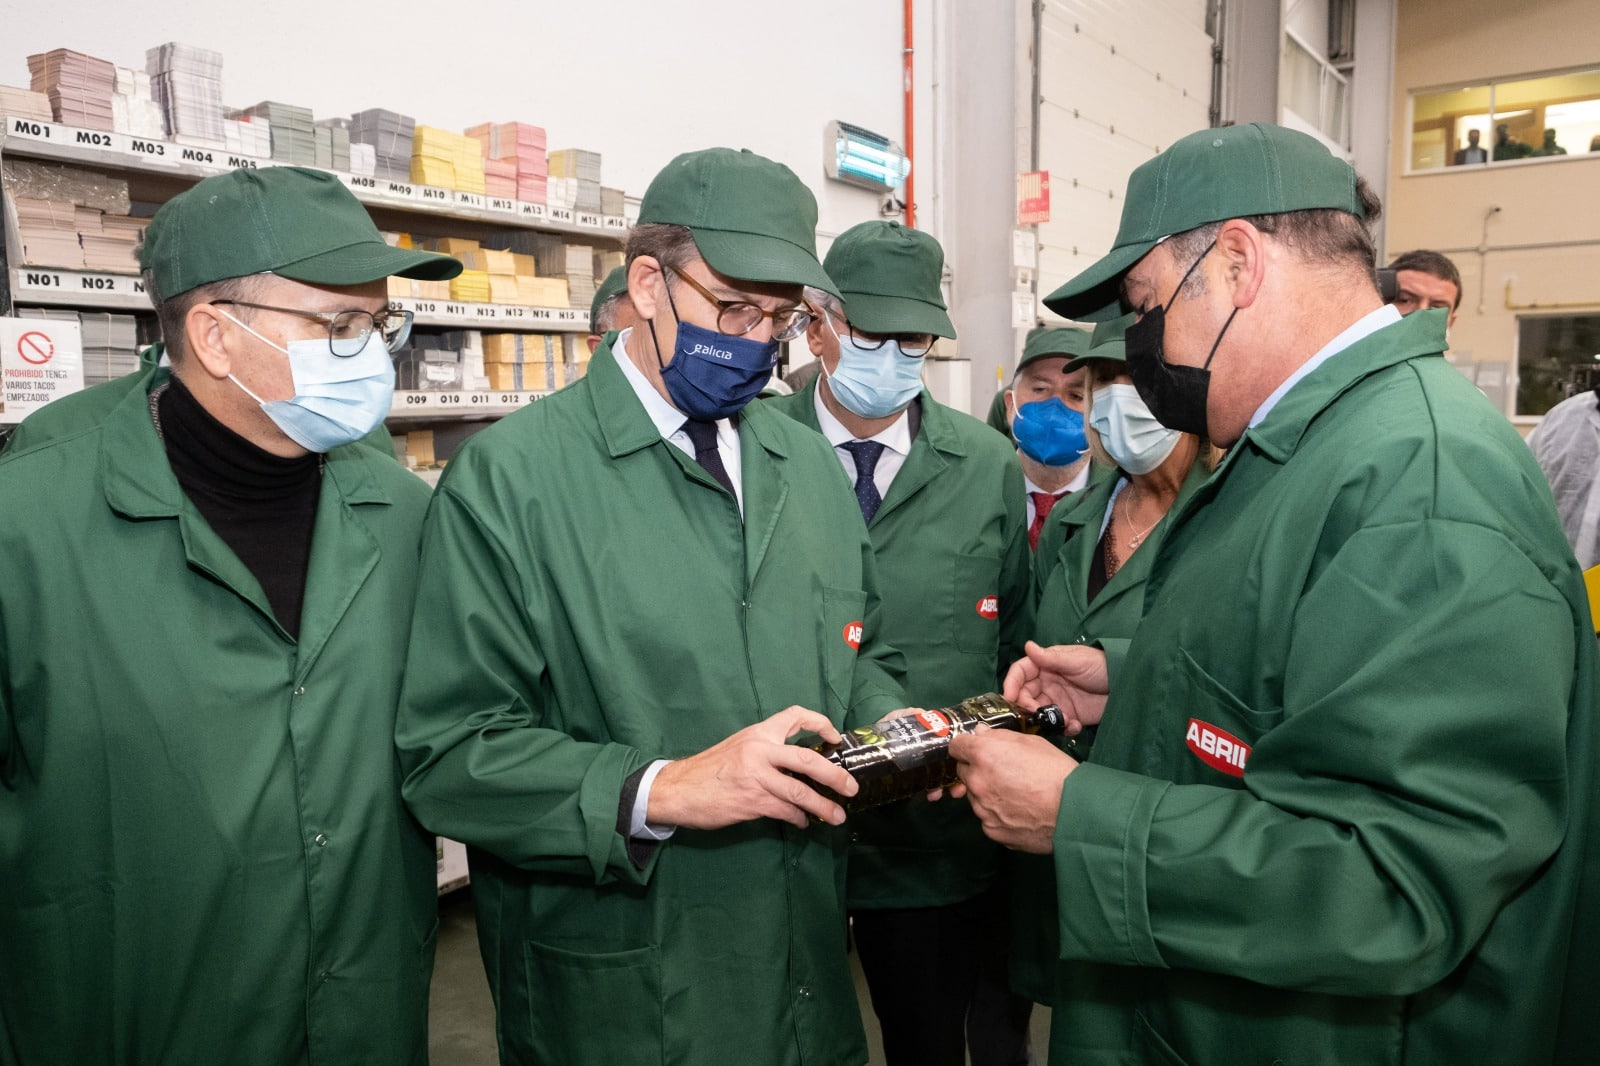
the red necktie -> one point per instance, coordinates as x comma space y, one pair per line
1042, 502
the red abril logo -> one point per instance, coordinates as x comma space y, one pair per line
934, 722
989, 607
1217, 748
852, 635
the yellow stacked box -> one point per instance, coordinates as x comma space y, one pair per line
445, 159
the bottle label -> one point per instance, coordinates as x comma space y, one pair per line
934, 722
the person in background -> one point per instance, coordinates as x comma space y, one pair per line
632, 594
1507, 146
1473, 152
203, 620
1549, 147
1425, 280
1566, 444
1293, 837
610, 309
1089, 579
940, 495
1044, 408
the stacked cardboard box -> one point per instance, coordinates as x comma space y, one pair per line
293, 131
391, 135
25, 103
187, 82
78, 86
583, 168
134, 109
520, 145
447, 160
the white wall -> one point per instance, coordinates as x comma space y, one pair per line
636, 80
1120, 83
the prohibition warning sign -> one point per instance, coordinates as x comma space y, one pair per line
40, 361
35, 347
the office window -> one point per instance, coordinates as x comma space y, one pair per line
1557, 356
1507, 121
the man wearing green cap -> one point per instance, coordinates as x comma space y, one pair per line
1342, 804
610, 309
941, 495
1044, 410
202, 627
636, 592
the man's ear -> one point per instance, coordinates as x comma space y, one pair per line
204, 333
644, 278
1244, 254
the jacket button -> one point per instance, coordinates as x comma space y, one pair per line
805, 993
321, 839
300, 691
324, 975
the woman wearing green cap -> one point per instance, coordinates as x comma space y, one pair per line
1094, 556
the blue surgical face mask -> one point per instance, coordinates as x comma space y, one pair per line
1128, 431
713, 375
338, 399
874, 384
1049, 432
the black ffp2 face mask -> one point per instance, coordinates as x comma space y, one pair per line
1176, 395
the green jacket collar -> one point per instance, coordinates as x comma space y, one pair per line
1279, 435
139, 481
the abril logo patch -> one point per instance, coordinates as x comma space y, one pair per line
1217, 748
852, 635
989, 607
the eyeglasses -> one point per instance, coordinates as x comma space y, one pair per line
348, 330
912, 345
738, 317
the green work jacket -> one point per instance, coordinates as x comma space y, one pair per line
1067, 546
1341, 808
951, 544
206, 855
591, 601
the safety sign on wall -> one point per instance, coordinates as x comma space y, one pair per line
40, 361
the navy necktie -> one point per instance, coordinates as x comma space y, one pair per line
866, 453
704, 437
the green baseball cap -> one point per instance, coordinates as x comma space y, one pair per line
752, 219
1068, 341
616, 284
290, 221
1106, 342
1209, 176
888, 278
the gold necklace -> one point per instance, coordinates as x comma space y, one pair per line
1127, 516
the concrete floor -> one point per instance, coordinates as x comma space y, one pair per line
461, 1014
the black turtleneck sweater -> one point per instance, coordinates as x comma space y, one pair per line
262, 505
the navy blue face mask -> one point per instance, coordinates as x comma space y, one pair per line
713, 375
